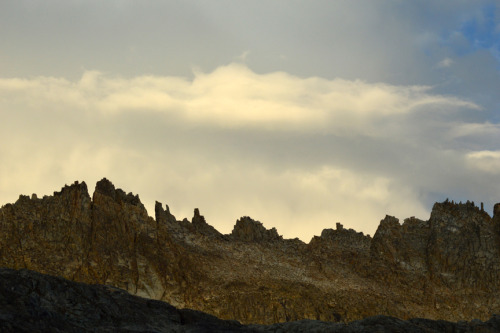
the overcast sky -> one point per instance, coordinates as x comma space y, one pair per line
297, 113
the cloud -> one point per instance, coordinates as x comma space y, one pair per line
235, 96
330, 106
460, 130
485, 160
296, 153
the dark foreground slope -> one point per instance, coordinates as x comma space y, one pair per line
33, 302
447, 267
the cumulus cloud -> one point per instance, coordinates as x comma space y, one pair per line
235, 96
296, 153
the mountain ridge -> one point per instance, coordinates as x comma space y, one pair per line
444, 268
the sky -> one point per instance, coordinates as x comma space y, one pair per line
299, 114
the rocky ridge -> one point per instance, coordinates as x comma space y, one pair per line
444, 268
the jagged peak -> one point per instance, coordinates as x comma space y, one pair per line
341, 239
251, 230
106, 187
76, 186
389, 221
452, 205
339, 230
440, 210
412, 221
159, 208
496, 210
247, 229
199, 223
163, 214
81, 187
197, 217
104, 241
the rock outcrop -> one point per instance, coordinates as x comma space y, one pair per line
248, 230
447, 267
33, 302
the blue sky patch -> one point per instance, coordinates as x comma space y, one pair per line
482, 31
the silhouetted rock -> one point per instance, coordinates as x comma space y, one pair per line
248, 230
202, 226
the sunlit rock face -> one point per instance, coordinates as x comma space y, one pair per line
444, 268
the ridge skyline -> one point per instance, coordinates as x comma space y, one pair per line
446, 267
222, 232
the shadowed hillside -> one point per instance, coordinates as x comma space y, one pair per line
33, 302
